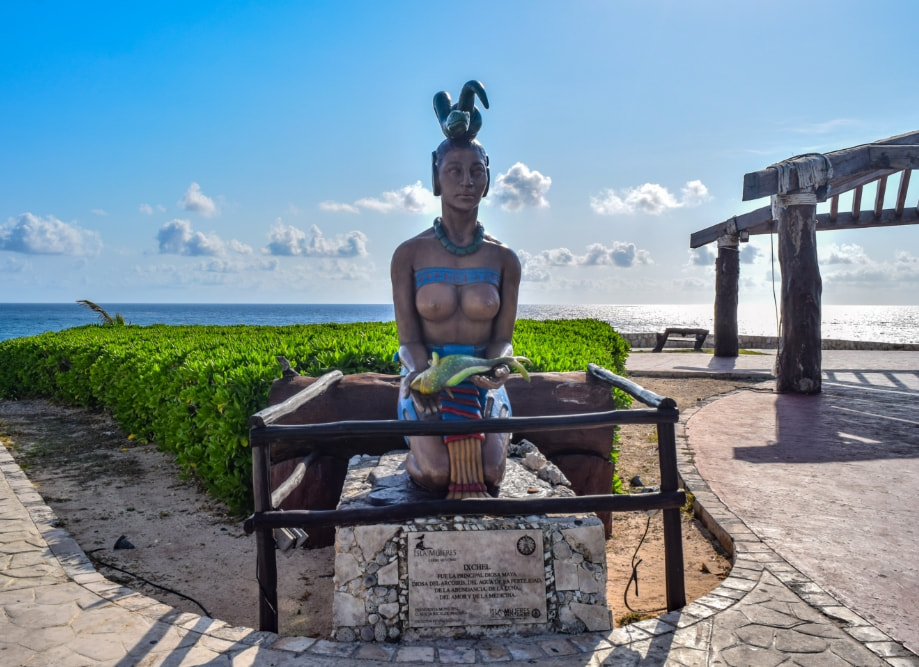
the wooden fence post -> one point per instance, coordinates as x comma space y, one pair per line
797, 365
727, 277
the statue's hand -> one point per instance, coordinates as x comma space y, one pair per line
426, 405
492, 380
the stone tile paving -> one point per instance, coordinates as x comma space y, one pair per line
56, 610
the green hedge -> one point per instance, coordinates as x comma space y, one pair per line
191, 389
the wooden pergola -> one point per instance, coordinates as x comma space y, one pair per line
795, 187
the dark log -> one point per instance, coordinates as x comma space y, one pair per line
356, 399
673, 534
834, 208
323, 479
888, 218
857, 203
292, 480
646, 396
879, 197
727, 279
901, 193
266, 558
846, 162
739, 222
799, 356
638, 502
894, 157
852, 181
275, 413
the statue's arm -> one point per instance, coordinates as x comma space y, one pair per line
503, 329
412, 351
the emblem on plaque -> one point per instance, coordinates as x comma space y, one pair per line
526, 545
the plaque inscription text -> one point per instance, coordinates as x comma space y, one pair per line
483, 577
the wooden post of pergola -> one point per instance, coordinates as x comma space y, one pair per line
797, 364
796, 185
727, 278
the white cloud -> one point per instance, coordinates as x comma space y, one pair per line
621, 253
99, 211
338, 207
147, 209
649, 198
196, 201
33, 235
234, 265
847, 253
707, 254
703, 256
241, 248
749, 253
291, 241
413, 198
521, 188
694, 193
177, 237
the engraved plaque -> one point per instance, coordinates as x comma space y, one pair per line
483, 577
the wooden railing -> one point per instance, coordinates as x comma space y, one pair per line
272, 442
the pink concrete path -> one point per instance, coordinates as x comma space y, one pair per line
831, 481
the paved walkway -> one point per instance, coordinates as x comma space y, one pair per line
810, 492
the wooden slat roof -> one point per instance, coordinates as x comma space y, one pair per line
853, 168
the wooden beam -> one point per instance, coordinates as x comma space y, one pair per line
894, 157
901, 192
857, 202
840, 186
888, 218
274, 412
879, 197
846, 163
834, 207
738, 222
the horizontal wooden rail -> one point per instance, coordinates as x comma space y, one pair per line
271, 442
641, 502
634, 390
275, 412
370, 428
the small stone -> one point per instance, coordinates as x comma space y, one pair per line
123, 543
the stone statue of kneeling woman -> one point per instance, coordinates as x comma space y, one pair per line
455, 292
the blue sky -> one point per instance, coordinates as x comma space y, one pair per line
279, 151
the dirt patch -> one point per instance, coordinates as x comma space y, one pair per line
104, 486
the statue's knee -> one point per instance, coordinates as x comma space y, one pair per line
494, 471
435, 480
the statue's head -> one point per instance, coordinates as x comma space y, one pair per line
448, 145
460, 123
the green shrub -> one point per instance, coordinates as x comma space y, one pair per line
191, 389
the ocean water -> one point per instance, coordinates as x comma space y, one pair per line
888, 324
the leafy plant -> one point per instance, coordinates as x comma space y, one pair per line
191, 389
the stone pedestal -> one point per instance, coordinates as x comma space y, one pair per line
456, 577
